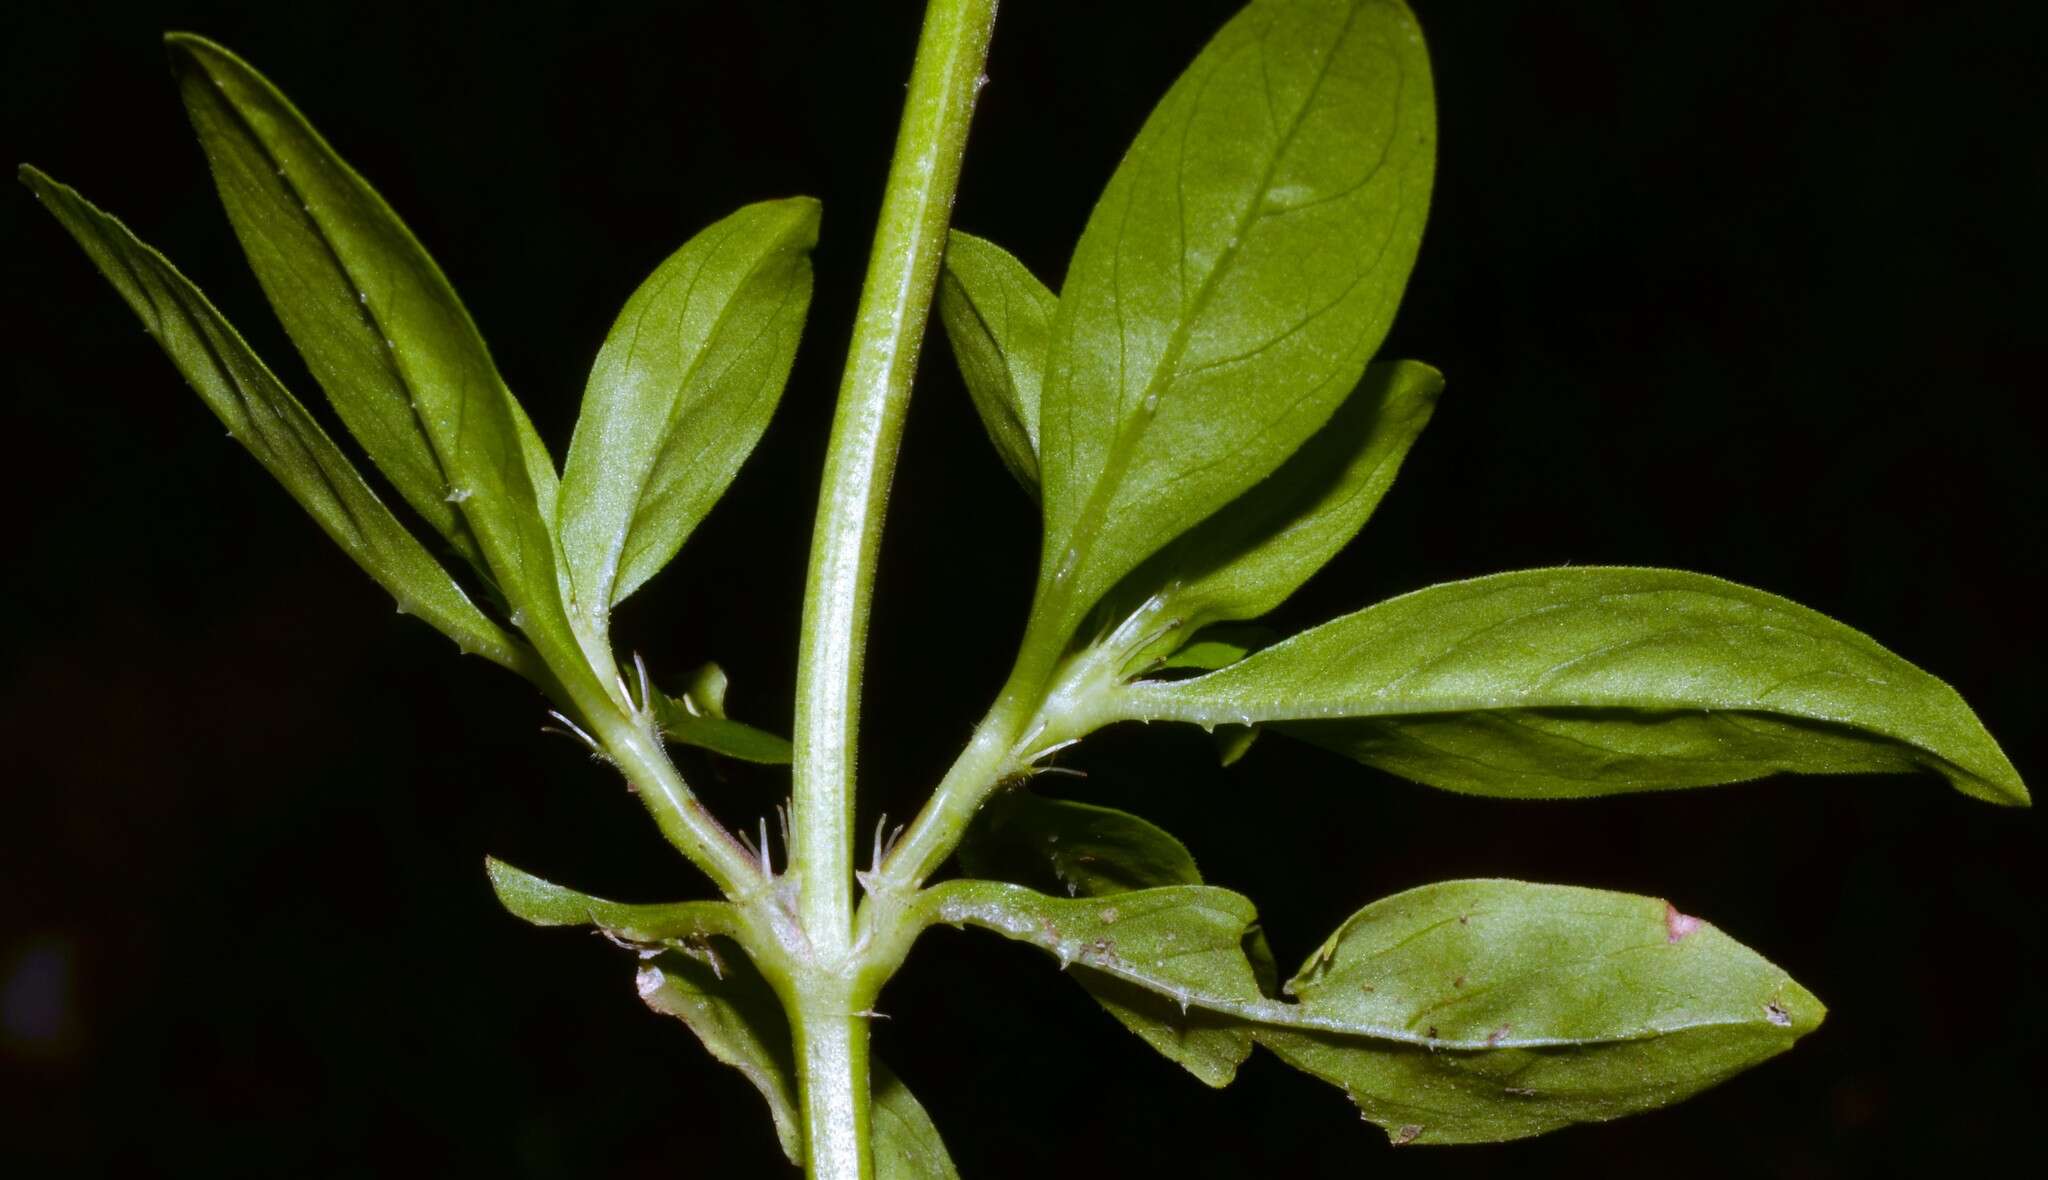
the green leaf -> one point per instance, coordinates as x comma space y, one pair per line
689, 969
1537, 1006
906, 1144
731, 1008
1234, 742
1462, 1012
1239, 271
1250, 556
680, 393
1591, 681
384, 334
544, 903
998, 318
696, 717
1060, 846
265, 418
1219, 647
1160, 960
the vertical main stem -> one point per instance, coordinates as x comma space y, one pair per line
903, 269
895, 302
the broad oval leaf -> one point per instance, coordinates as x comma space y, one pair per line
906, 1144
1590, 681
998, 317
1239, 271
682, 389
265, 418
1464, 1012
1536, 1006
386, 337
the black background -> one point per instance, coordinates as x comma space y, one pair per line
1744, 288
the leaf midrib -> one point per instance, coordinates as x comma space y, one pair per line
1088, 522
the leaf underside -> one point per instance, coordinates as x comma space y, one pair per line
1590, 681
275, 428
1469, 1011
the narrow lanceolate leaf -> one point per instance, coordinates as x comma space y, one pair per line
696, 717
383, 333
906, 1144
680, 393
264, 417
1058, 846
1455, 1013
689, 969
1535, 1006
545, 903
731, 1008
998, 317
1239, 271
1590, 681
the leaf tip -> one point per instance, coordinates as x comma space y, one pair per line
1796, 1010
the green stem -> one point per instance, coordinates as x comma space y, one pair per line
831, 1035
937, 829
903, 268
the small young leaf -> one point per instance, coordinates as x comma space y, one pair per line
544, 903
1537, 1006
731, 1008
680, 393
733, 739
696, 717
1234, 742
264, 417
906, 1144
1239, 271
1219, 647
1590, 681
385, 335
998, 316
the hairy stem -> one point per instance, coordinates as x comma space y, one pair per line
903, 268
634, 746
889, 326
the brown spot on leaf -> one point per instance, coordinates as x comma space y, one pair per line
1430, 1032
1464, 919
1776, 1014
1677, 925
1494, 1038
1406, 1135
1458, 982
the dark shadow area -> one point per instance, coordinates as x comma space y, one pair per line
1753, 290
